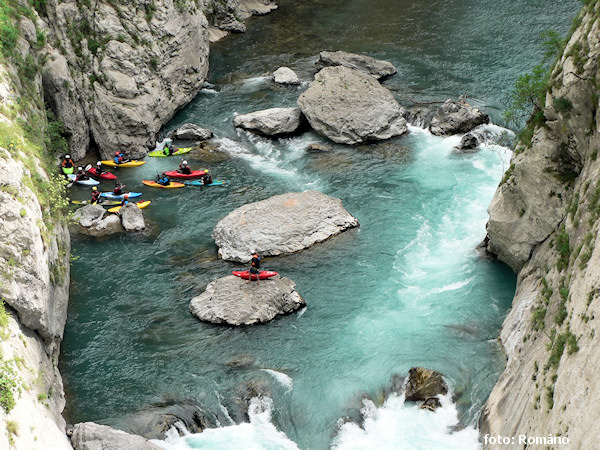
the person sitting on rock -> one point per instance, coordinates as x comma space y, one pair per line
118, 159
118, 190
163, 179
81, 175
95, 195
254, 268
184, 168
67, 162
167, 150
125, 200
99, 170
206, 178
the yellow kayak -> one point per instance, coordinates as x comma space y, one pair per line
125, 164
140, 205
171, 185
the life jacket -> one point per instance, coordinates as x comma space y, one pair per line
68, 163
118, 190
95, 196
255, 262
124, 202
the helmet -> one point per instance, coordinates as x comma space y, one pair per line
94, 188
80, 168
99, 163
126, 196
164, 174
117, 153
184, 162
67, 156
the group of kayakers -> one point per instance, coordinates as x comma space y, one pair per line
122, 157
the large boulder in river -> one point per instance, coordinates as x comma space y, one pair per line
231, 300
93, 220
192, 132
424, 383
132, 218
91, 436
374, 67
280, 225
285, 75
271, 122
456, 117
349, 107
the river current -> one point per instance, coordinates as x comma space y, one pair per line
405, 289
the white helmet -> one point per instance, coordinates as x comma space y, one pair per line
80, 168
184, 162
67, 156
99, 163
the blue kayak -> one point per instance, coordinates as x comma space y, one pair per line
199, 183
112, 196
88, 182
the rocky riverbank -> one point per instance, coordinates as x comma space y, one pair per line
544, 224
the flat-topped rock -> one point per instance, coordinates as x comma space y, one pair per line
281, 225
456, 117
350, 107
285, 75
192, 132
271, 122
231, 300
91, 436
374, 67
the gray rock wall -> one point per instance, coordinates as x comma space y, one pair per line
544, 224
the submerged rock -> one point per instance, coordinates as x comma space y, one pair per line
132, 218
374, 67
230, 300
95, 221
420, 117
349, 107
271, 122
281, 225
285, 75
432, 403
457, 117
154, 422
468, 144
423, 384
91, 436
192, 132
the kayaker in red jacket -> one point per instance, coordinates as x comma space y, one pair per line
118, 190
95, 195
81, 175
184, 168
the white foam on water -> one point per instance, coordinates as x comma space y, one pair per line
259, 434
284, 379
397, 424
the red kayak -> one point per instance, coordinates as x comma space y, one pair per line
103, 176
194, 174
262, 275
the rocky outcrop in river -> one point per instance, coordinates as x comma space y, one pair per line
232, 301
280, 225
271, 122
96, 221
374, 67
543, 223
349, 107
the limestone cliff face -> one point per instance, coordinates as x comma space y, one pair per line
544, 224
117, 71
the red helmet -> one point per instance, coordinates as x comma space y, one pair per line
117, 153
126, 196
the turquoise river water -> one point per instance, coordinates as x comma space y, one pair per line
405, 289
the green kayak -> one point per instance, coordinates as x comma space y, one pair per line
178, 151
